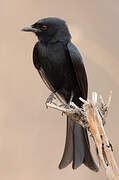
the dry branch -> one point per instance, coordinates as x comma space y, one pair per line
92, 117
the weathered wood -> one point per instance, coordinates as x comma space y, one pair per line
92, 117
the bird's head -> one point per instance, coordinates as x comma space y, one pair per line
50, 29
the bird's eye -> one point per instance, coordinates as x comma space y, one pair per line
43, 27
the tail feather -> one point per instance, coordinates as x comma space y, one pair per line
77, 147
68, 150
88, 160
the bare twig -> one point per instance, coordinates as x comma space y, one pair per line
92, 117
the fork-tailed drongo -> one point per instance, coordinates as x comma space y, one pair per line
61, 67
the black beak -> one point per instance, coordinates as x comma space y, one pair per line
30, 29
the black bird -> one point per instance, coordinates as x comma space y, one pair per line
61, 67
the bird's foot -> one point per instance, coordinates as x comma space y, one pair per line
50, 99
65, 106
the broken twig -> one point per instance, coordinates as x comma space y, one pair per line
92, 117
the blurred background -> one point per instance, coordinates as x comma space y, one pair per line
32, 137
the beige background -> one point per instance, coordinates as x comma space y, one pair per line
32, 137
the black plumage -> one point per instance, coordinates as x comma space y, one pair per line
61, 67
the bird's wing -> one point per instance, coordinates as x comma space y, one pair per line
79, 69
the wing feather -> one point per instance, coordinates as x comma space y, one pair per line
79, 69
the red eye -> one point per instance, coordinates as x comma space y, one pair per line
43, 27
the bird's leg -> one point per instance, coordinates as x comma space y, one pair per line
50, 97
71, 98
67, 106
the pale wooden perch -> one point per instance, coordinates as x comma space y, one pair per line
92, 117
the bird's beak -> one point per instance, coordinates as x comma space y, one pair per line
30, 29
